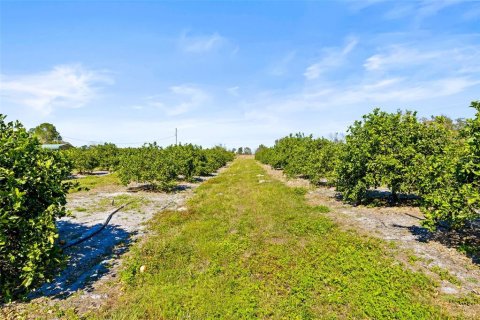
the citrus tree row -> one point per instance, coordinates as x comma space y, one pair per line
88, 158
34, 183
436, 160
300, 155
162, 167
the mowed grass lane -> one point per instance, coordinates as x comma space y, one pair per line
246, 249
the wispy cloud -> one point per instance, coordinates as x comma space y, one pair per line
387, 92
473, 13
200, 43
465, 59
332, 57
398, 57
179, 99
393, 76
69, 86
360, 5
417, 11
429, 8
234, 91
280, 67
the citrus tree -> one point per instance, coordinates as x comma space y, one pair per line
451, 194
149, 164
379, 151
33, 196
107, 155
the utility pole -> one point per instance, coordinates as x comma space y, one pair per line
176, 136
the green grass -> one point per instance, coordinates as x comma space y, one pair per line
467, 300
246, 250
135, 203
412, 259
445, 275
91, 182
321, 209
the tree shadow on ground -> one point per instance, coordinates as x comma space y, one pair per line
182, 184
384, 198
87, 261
466, 240
151, 188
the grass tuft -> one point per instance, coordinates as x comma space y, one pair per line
445, 275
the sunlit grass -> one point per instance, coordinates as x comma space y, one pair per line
91, 182
249, 250
134, 203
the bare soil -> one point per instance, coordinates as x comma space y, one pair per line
457, 275
85, 285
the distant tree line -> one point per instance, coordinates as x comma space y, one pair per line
243, 150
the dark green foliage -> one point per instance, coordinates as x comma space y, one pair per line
431, 159
454, 194
379, 151
148, 164
46, 133
300, 155
397, 151
161, 167
33, 196
216, 158
87, 159
107, 155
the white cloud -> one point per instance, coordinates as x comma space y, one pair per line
281, 67
360, 5
180, 99
464, 59
69, 86
233, 91
416, 10
386, 92
313, 71
200, 43
429, 8
235, 131
398, 56
261, 116
333, 57
399, 91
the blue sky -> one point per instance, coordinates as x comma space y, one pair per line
235, 73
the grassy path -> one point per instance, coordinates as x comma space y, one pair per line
246, 249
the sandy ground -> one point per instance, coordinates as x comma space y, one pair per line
84, 285
420, 250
